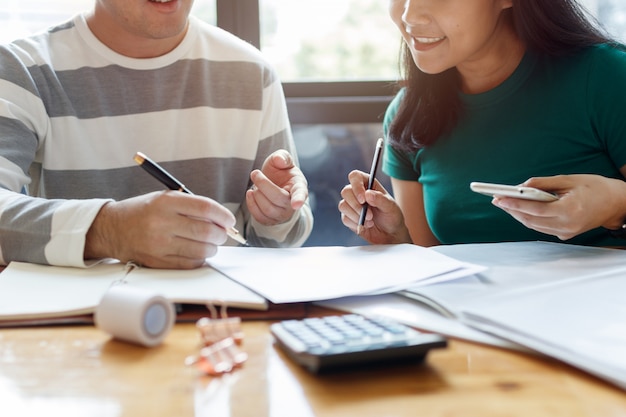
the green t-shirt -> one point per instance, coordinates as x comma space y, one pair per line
551, 116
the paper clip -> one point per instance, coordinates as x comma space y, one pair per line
215, 329
220, 336
219, 358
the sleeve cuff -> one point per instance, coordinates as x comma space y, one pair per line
70, 225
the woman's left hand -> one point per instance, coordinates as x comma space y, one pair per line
585, 202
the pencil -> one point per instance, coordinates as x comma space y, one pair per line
377, 153
172, 183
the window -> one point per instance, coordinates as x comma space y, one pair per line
324, 48
20, 18
611, 14
329, 40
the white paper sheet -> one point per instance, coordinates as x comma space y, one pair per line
322, 273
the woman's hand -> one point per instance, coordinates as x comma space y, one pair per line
586, 202
384, 221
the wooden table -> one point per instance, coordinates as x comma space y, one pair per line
80, 371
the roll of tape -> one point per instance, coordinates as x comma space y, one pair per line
135, 315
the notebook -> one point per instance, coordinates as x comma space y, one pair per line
32, 291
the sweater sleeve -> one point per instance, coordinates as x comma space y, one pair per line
43, 231
32, 229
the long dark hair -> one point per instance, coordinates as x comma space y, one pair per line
431, 106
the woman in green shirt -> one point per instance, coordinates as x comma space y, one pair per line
524, 91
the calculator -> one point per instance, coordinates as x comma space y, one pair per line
337, 342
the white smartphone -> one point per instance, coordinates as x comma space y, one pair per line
515, 191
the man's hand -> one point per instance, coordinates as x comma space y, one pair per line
280, 188
167, 229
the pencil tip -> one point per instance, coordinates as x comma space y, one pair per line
235, 235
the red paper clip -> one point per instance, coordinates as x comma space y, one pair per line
219, 358
214, 329
220, 336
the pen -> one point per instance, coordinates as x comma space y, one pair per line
172, 183
377, 153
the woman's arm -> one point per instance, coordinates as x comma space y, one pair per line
410, 199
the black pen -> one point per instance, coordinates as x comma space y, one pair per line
377, 153
172, 183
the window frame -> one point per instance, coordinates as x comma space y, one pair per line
312, 102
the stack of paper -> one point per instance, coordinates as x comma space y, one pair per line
582, 322
322, 273
562, 300
29, 291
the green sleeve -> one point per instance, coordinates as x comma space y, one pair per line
397, 164
607, 100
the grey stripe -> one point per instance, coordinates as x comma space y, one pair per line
114, 91
224, 180
13, 70
17, 142
29, 232
63, 26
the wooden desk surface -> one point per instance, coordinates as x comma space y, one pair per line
79, 371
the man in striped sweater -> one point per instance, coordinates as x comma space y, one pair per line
80, 99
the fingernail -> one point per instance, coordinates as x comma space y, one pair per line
499, 203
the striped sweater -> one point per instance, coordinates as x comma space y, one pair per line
73, 113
